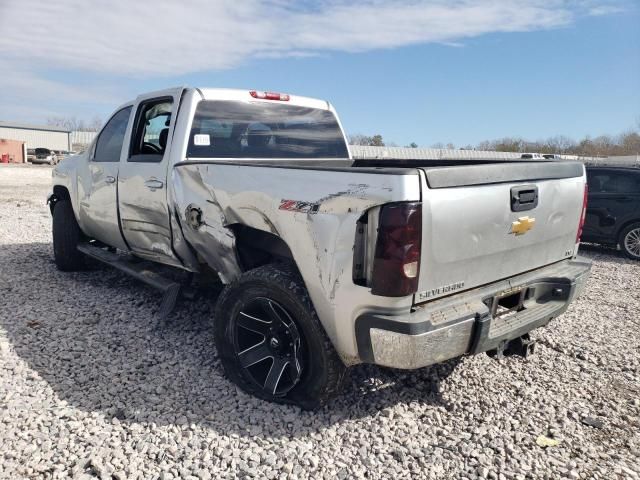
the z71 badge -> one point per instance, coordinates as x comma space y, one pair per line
298, 206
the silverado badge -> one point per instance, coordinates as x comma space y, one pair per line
522, 225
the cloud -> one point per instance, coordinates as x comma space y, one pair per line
605, 10
27, 94
165, 37
67, 56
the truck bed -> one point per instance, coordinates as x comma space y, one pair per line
371, 165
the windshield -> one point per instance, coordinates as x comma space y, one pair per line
233, 129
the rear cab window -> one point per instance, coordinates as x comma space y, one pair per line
234, 129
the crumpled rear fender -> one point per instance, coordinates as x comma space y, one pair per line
314, 211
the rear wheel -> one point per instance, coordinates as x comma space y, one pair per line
630, 241
271, 342
66, 236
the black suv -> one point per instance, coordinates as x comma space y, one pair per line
613, 208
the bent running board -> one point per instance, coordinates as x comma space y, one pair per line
139, 271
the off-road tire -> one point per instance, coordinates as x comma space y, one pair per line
66, 236
629, 230
321, 376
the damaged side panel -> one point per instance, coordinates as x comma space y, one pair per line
203, 224
315, 213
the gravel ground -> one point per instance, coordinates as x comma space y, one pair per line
90, 388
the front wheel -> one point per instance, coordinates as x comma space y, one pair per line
66, 236
271, 342
630, 241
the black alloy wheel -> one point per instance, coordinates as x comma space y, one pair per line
268, 346
271, 342
630, 241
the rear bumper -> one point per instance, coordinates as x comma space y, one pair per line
463, 323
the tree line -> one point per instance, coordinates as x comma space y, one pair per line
627, 143
74, 124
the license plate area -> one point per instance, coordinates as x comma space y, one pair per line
507, 303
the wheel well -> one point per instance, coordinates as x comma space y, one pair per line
625, 225
256, 247
59, 193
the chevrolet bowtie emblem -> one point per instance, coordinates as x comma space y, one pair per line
522, 225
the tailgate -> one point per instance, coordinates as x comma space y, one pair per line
472, 235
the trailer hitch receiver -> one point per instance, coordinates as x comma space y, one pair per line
522, 346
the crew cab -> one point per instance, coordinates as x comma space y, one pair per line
327, 262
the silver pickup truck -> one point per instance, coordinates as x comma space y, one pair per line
327, 261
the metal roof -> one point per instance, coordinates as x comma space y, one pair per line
403, 153
621, 161
27, 126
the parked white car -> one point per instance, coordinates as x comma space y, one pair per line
44, 155
532, 156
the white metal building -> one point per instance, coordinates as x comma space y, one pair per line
405, 153
37, 136
81, 140
400, 153
623, 161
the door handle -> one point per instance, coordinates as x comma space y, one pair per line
153, 184
524, 197
110, 179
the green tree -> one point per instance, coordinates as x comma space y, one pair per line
373, 141
376, 141
359, 139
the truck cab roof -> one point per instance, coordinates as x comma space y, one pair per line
235, 94
246, 95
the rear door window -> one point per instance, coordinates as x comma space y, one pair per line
628, 184
613, 182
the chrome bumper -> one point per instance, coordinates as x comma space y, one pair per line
464, 323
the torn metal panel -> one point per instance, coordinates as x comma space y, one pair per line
321, 240
207, 234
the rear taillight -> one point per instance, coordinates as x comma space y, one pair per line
396, 265
583, 215
283, 97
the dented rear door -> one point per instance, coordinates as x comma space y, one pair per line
142, 182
